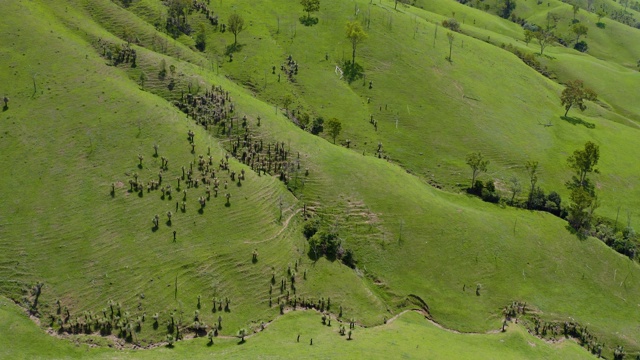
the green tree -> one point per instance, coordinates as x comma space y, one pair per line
356, 35
450, 37
506, 8
544, 38
576, 8
528, 36
236, 25
532, 170
477, 164
583, 162
575, 94
601, 13
201, 38
580, 30
142, 78
310, 6
334, 127
581, 209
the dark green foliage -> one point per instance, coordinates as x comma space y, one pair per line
317, 125
352, 71
581, 46
327, 243
505, 8
310, 228
451, 24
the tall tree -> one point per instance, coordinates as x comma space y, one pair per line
506, 8
580, 30
334, 126
544, 38
575, 94
532, 170
236, 25
583, 162
450, 38
477, 164
355, 33
310, 6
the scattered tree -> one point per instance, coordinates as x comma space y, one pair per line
580, 30
310, 6
544, 38
450, 37
356, 35
515, 188
528, 36
532, 170
236, 25
583, 162
334, 126
575, 94
506, 7
478, 165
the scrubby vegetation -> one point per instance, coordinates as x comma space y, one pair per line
162, 182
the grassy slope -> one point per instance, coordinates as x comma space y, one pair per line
409, 335
443, 111
439, 229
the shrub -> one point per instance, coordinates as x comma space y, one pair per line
581, 46
451, 24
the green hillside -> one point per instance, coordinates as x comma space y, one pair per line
79, 130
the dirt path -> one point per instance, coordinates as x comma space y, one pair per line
284, 227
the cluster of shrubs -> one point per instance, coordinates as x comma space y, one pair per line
529, 59
624, 241
324, 242
537, 200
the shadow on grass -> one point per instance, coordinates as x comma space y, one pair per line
230, 49
579, 234
308, 20
578, 121
242, 342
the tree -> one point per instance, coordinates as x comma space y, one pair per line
236, 25
400, 1
601, 13
356, 35
532, 170
576, 8
450, 37
334, 126
583, 204
575, 94
543, 38
580, 30
506, 8
310, 6
583, 162
143, 78
528, 35
515, 188
478, 165
241, 334
201, 38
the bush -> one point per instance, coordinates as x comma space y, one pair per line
310, 228
451, 24
489, 193
581, 46
317, 126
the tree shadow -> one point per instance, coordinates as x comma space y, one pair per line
352, 71
169, 223
579, 234
230, 49
201, 211
154, 228
578, 121
242, 341
210, 343
5, 108
308, 20
227, 204
239, 184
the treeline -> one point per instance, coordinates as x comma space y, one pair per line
579, 212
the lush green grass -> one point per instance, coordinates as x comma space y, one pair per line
409, 336
85, 125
